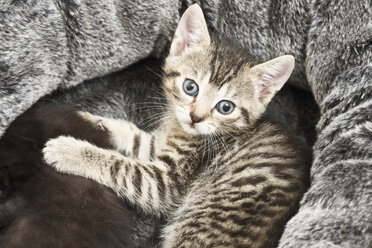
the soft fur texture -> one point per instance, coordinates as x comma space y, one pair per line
213, 135
46, 45
106, 96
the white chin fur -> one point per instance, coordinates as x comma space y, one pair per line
198, 128
189, 129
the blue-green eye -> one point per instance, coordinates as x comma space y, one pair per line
225, 107
190, 87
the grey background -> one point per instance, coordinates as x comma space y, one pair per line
48, 45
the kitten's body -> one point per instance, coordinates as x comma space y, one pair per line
263, 165
262, 172
246, 204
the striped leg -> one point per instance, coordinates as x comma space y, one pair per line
126, 137
146, 184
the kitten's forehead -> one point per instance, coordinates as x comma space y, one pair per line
223, 64
207, 89
226, 91
219, 70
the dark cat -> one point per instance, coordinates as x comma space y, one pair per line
78, 212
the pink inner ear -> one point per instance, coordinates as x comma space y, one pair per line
180, 46
264, 93
272, 75
191, 31
270, 85
185, 33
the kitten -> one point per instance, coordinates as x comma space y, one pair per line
226, 175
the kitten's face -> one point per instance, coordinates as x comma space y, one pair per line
205, 102
211, 87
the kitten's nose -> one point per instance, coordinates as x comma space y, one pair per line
195, 118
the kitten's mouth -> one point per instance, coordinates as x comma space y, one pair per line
190, 128
195, 128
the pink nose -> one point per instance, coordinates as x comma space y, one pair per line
195, 118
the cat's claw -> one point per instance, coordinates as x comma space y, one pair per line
101, 126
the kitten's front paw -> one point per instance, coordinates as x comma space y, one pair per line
62, 153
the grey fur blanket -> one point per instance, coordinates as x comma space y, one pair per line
48, 45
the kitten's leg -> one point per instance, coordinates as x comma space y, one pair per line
146, 184
126, 137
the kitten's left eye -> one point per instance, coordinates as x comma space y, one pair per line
190, 87
225, 107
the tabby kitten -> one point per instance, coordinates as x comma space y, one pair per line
214, 120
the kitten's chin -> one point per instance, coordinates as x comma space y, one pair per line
190, 130
195, 129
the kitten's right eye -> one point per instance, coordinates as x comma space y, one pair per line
225, 107
190, 87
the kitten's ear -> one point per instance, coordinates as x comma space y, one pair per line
191, 31
269, 77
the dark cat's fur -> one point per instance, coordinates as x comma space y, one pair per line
49, 209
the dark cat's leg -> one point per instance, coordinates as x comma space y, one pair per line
24, 139
46, 121
4, 183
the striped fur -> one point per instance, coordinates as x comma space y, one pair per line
262, 175
262, 172
247, 203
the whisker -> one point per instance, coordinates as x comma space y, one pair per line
220, 137
146, 108
156, 119
157, 74
214, 151
148, 103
